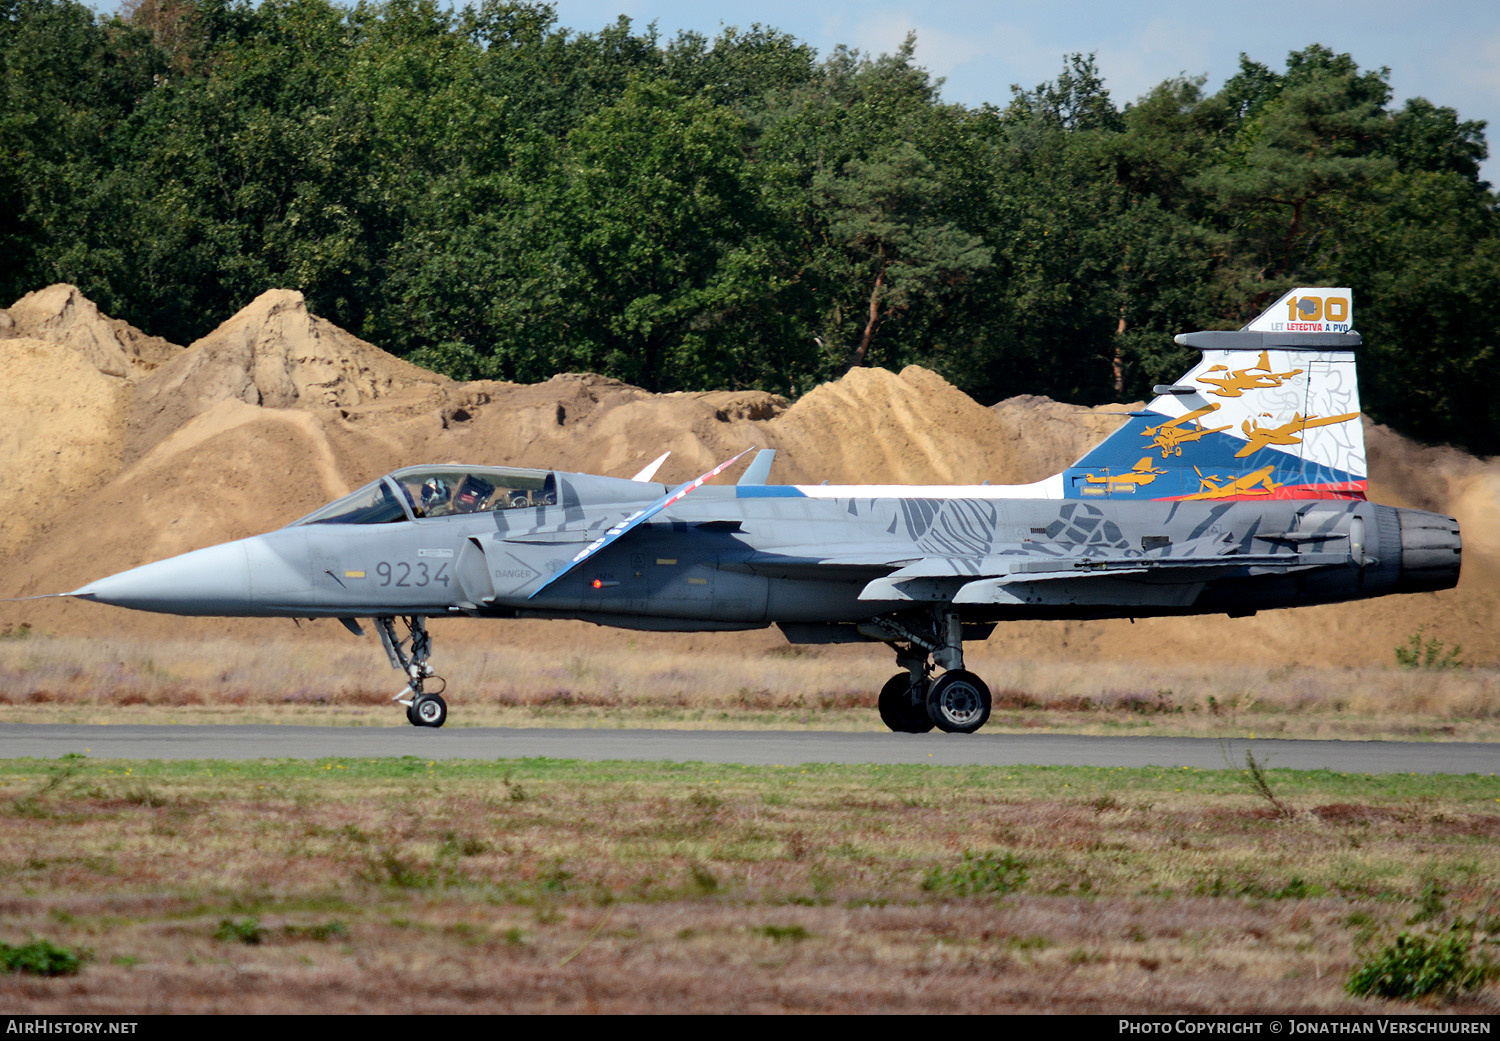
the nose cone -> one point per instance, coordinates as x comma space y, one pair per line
212, 581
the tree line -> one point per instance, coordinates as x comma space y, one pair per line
493, 195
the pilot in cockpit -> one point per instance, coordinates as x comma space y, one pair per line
436, 498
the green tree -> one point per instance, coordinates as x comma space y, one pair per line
884, 216
66, 81
1309, 141
653, 210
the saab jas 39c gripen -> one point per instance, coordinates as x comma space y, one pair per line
1240, 488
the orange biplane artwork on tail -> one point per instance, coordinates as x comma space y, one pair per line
1171, 436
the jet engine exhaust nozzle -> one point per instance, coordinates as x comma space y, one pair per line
1431, 551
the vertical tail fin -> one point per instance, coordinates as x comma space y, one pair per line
1270, 411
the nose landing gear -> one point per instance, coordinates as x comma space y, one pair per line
424, 708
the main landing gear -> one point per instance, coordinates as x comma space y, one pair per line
424, 708
911, 702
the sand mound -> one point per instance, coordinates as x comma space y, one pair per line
1046, 437
61, 314
581, 421
61, 421
236, 469
275, 354
878, 427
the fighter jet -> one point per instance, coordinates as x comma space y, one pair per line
921, 569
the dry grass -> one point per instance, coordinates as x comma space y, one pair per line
307, 678
405, 886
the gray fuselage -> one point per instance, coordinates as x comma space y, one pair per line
725, 560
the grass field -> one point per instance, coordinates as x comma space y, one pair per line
408, 885
311, 680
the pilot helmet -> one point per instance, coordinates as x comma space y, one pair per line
434, 492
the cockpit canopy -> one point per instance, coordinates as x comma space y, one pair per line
416, 492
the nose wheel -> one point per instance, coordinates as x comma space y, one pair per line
427, 710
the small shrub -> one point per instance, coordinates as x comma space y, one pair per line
246, 930
555, 878
1420, 967
785, 932
704, 881
392, 869
514, 791
1034, 943
41, 958
1262, 787
459, 845
1297, 889
706, 803
1427, 654
142, 794
978, 874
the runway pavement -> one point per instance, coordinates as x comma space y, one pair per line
737, 746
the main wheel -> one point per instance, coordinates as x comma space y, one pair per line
411, 715
958, 702
897, 710
429, 710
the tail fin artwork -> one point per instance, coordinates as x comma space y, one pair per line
1271, 411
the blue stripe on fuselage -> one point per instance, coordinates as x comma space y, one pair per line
768, 491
